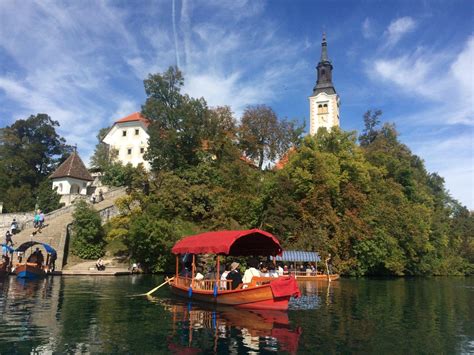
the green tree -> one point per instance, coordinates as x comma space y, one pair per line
263, 137
88, 234
371, 122
30, 150
179, 123
47, 198
103, 155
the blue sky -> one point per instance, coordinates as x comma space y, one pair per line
83, 63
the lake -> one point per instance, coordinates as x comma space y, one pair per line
102, 315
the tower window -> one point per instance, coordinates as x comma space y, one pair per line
142, 150
325, 108
137, 132
320, 108
129, 151
124, 133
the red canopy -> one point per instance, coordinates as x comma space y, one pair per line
245, 242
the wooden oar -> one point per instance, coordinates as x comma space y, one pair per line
327, 269
157, 287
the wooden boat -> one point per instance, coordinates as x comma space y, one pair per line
303, 257
6, 262
260, 293
304, 276
33, 267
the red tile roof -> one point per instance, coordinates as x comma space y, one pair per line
136, 116
73, 167
284, 159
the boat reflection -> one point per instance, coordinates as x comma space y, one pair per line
231, 330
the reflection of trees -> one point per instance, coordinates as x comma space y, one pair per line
98, 316
24, 316
94, 314
386, 316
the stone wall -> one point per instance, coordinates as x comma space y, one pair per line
6, 220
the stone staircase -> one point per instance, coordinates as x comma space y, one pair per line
55, 230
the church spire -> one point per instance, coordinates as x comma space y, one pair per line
324, 49
324, 72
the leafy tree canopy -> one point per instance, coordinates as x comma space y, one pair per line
263, 137
30, 150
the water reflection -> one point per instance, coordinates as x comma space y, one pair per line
98, 315
230, 330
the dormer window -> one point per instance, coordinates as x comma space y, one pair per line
124, 133
137, 132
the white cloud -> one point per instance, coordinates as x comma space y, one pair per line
444, 82
398, 28
452, 158
77, 60
418, 74
367, 28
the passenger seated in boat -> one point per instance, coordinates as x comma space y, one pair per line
272, 272
33, 258
251, 271
264, 270
285, 270
280, 270
234, 275
39, 257
198, 278
224, 277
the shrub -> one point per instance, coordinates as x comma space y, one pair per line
88, 234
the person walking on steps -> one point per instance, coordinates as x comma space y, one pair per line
14, 227
8, 238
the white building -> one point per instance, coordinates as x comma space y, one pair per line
129, 137
71, 178
324, 103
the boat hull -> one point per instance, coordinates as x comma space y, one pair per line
319, 277
260, 297
29, 271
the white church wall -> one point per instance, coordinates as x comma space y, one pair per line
131, 145
68, 185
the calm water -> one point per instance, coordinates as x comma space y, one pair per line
100, 315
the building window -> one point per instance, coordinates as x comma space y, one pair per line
137, 132
124, 133
129, 151
325, 108
142, 150
320, 108
60, 187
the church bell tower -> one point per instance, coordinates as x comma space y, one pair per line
324, 102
